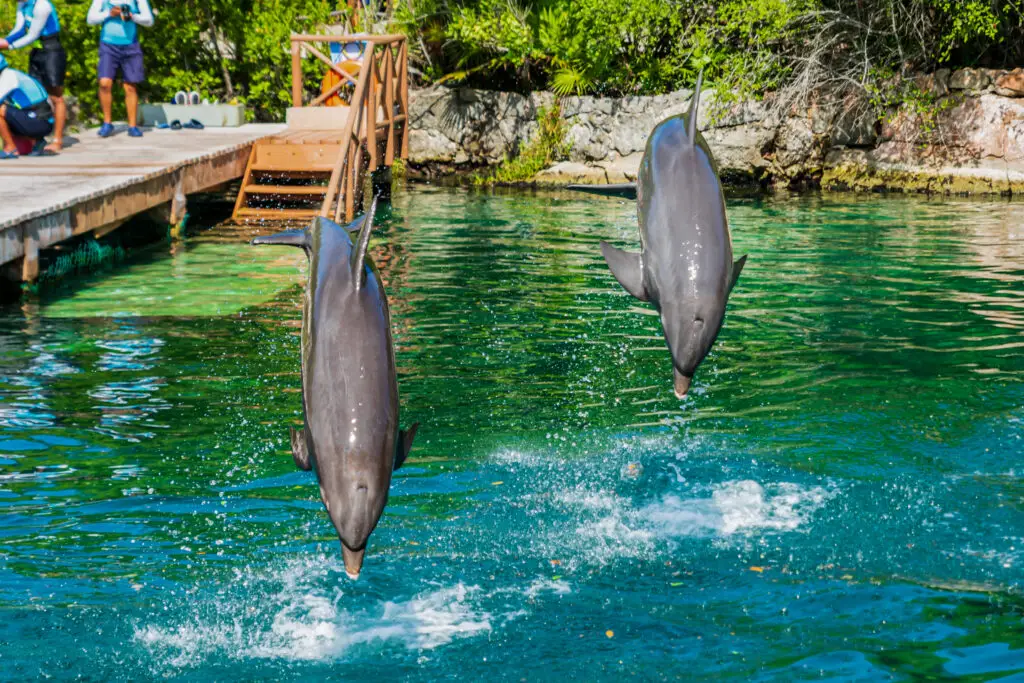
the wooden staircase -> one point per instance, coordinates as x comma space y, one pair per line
315, 170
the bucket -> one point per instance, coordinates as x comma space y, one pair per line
24, 145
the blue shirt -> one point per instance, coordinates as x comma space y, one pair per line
117, 30
36, 19
20, 90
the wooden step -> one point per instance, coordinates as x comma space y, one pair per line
296, 157
306, 190
277, 214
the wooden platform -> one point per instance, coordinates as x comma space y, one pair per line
98, 183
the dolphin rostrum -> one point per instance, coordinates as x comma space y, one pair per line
351, 438
685, 267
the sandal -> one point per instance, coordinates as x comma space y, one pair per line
194, 124
39, 150
9, 155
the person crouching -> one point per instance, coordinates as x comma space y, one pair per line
24, 110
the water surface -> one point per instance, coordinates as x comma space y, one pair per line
840, 497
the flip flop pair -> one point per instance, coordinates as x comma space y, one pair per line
178, 125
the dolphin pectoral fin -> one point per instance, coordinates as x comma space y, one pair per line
288, 238
359, 254
405, 444
300, 453
626, 268
624, 190
737, 268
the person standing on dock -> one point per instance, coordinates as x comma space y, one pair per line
37, 21
24, 109
120, 50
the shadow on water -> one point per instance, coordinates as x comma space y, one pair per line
839, 497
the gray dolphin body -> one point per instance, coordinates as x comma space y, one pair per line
685, 266
351, 438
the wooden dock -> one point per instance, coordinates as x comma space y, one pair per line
97, 184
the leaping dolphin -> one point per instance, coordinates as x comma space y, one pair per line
685, 267
351, 437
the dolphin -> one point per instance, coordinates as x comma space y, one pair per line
351, 438
685, 267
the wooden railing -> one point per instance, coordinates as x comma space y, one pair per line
375, 131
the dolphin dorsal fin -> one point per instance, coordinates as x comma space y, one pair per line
359, 255
691, 118
288, 238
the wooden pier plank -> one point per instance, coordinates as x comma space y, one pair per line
96, 182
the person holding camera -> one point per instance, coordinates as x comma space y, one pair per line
120, 51
37, 23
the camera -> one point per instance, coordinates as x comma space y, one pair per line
126, 11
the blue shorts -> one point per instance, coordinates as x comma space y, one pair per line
126, 58
34, 123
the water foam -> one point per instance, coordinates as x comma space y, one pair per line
297, 614
736, 507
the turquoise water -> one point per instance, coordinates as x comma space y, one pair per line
840, 497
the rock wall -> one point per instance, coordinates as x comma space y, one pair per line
972, 142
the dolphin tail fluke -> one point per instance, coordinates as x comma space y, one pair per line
691, 118
359, 257
405, 444
300, 451
288, 238
624, 190
737, 268
626, 268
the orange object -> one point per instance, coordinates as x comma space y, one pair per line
331, 79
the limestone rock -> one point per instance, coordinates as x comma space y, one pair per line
974, 80
1011, 84
971, 141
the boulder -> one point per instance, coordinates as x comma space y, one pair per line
974, 80
1011, 84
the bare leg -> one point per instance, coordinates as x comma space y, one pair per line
60, 117
131, 101
5, 131
107, 99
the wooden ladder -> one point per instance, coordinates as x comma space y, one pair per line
303, 173
287, 181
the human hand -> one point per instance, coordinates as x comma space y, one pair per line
115, 11
4, 45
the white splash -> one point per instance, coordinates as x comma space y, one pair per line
555, 586
737, 507
303, 620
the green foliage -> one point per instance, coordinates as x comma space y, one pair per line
238, 49
546, 147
